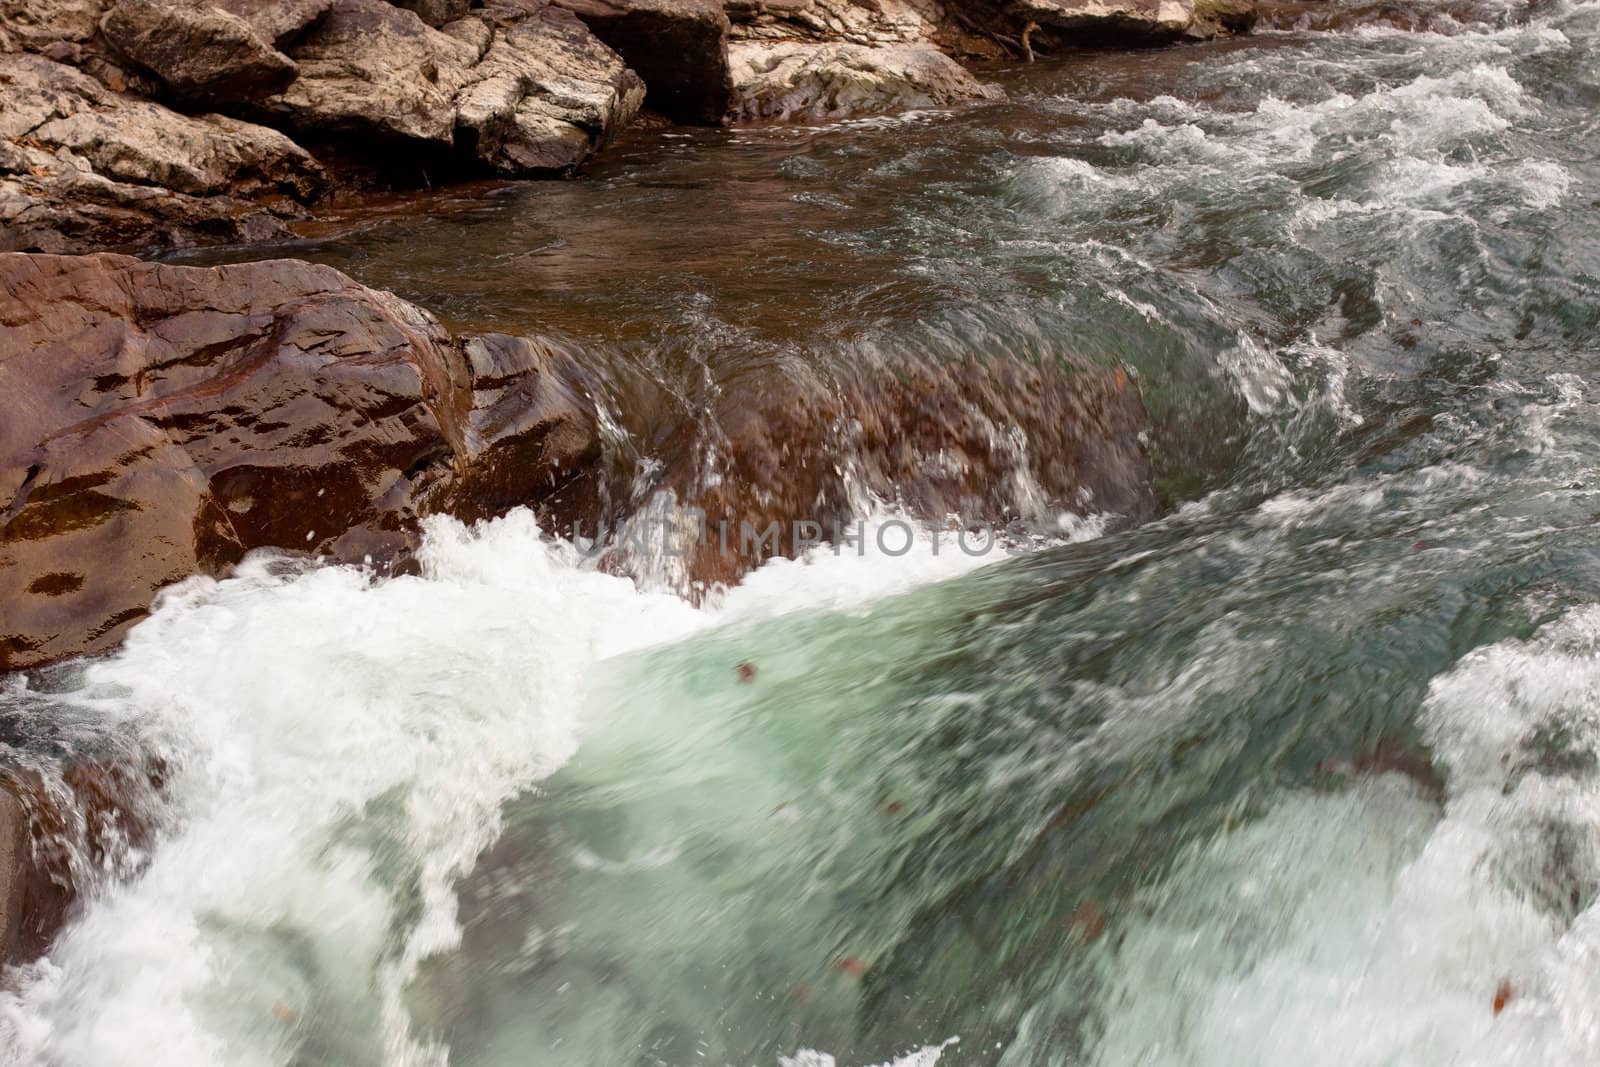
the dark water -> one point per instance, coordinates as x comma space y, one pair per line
1302, 772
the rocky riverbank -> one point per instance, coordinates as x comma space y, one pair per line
140, 124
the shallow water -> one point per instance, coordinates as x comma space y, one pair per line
1302, 772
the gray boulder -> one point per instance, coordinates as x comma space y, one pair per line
529, 91
202, 54
792, 80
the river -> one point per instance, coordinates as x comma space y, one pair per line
1304, 771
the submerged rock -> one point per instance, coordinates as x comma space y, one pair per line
60, 833
170, 419
990, 442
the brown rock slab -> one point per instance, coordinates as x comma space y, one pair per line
166, 420
83, 165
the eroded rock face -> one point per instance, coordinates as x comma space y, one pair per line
277, 21
530, 90
679, 48
1065, 23
80, 164
169, 419
202, 54
884, 22
787, 80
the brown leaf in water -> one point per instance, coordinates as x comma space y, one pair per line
1502, 995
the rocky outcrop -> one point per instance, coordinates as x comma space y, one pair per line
813, 60
1049, 25
519, 90
679, 48
202, 54
280, 22
80, 163
786, 80
166, 420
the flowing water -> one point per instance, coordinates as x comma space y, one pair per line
1305, 771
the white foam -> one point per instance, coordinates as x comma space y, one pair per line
1367, 926
303, 712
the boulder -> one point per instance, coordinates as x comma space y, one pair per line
1051, 25
277, 21
166, 420
532, 91
437, 12
679, 48
883, 22
35, 25
202, 54
83, 165
791, 80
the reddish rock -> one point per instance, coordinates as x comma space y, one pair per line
166, 420
61, 834
989, 441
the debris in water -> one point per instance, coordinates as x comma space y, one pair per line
747, 673
894, 807
1088, 920
283, 1013
1502, 995
854, 966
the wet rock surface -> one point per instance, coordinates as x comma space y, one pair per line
170, 419
63, 831
1001, 444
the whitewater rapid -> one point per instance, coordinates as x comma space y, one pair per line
302, 712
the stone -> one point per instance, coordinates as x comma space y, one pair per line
34, 25
541, 96
1050, 25
437, 12
1214, 18
882, 22
202, 54
81, 821
279, 21
166, 420
787, 80
88, 167
679, 48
